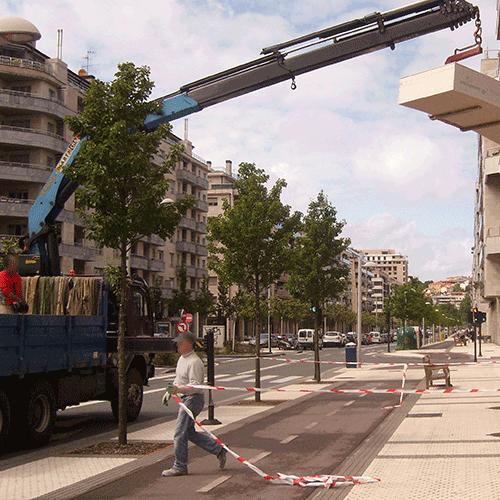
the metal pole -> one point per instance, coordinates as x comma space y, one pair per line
480, 335
211, 377
388, 332
358, 357
269, 318
475, 344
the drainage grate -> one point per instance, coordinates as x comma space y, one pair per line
423, 415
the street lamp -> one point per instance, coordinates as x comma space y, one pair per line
358, 326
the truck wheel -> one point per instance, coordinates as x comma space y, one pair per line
4, 418
135, 396
40, 417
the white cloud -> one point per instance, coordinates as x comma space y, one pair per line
387, 169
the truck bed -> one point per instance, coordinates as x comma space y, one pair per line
43, 343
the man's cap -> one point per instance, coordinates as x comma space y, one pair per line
186, 336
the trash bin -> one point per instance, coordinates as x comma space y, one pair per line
350, 355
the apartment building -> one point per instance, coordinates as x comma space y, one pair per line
36, 93
394, 265
486, 251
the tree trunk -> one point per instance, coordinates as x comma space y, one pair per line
317, 367
122, 368
257, 340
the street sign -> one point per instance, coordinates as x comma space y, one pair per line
182, 327
187, 318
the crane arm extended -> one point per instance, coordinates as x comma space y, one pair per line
278, 63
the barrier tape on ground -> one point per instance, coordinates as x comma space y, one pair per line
288, 360
321, 481
402, 391
340, 391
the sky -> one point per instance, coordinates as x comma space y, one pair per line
397, 179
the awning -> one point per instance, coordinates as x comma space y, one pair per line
456, 95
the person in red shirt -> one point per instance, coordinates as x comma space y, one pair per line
10, 286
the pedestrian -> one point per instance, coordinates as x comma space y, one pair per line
189, 371
11, 298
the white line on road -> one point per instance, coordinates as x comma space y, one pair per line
349, 403
213, 484
332, 413
259, 457
286, 379
268, 377
311, 425
289, 438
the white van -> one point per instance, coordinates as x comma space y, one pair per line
306, 338
376, 338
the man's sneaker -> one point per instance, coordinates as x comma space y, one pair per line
174, 472
221, 457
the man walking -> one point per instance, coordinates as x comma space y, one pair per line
189, 371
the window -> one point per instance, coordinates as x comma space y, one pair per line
19, 195
22, 88
17, 229
50, 128
172, 262
20, 123
50, 162
52, 94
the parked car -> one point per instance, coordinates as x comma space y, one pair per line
352, 337
384, 338
333, 339
264, 340
288, 341
375, 336
306, 338
366, 339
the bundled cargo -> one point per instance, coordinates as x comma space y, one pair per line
62, 295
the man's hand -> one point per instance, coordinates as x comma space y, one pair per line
173, 389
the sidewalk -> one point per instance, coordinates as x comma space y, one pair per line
437, 446
447, 446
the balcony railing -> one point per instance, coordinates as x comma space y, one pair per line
25, 171
25, 63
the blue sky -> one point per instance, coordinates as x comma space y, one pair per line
399, 180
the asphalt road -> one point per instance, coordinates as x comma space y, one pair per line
90, 419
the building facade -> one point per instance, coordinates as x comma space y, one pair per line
486, 250
36, 93
394, 265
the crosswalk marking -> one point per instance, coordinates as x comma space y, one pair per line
286, 379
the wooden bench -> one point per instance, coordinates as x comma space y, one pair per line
436, 372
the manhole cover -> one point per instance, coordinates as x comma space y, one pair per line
424, 415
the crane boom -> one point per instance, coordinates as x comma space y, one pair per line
284, 61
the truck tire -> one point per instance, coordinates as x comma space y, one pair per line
40, 414
135, 396
5, 418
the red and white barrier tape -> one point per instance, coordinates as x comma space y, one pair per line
402, 391
318, 481
340, 391
288, 360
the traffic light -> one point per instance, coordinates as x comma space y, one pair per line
478, 316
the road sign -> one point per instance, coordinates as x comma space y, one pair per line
187, 318
182, 327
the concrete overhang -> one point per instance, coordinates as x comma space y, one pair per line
456, 95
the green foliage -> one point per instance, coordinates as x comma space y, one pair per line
181, 297
465, 307
117, 180
249, 242
290, 309
409, 302
317, 273
204, 303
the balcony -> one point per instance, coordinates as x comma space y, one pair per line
13, 207
201, 227
192, 178
153, 240
31, 102
190, 270
185, 246
35, 138
188, 224
25, 63
201, 205
25, 172
201, 250
493, 241
78, 252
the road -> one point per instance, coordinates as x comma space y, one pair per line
93, 418
311, 436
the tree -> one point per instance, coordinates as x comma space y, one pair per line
182, 296
249, 243
409, 302
465, 308
121, 191
204, 303
317, 272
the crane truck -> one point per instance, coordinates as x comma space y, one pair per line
48, 361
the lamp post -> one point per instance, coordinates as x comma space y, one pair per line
358, 327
